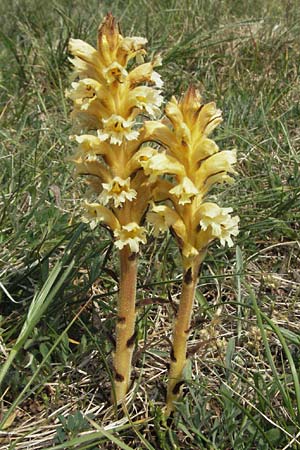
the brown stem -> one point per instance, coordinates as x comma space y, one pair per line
125, 329
181, 332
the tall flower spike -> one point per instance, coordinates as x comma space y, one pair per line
195, 163
108, 96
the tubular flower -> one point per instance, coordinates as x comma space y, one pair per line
219, 222
116, 129
161, 217
110, 99
118, 191
184, 191
131, 234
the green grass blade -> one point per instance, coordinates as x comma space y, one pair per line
281, 387
41, 301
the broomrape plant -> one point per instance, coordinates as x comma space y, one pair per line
196, 164
109, 100
126, 175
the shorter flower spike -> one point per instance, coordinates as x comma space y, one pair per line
194, 164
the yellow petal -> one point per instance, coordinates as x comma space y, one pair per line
162, 217
184, 191
115, 72
90, 144
83, 69
144, 73
146, 99
218, 223
215, 166
96, 213
85, 52
203, 148
173, 113
109, 38
130, 47
162, 163
131, 234
159, 132
117, 130
209, 117
94, 168
191, 105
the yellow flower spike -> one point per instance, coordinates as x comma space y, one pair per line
197, 164
110, 100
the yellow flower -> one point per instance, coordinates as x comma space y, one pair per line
185, 191
115, 72
219, 222
116, 129
145, 73
118, 190
146, 99
90, 146
131, 47
162, 163
88, 61
161, 217
216, 165
131, 234
96, 213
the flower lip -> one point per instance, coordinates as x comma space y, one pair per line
116, 129
147, 99
219, 222
115, 72
185, 191
117, 191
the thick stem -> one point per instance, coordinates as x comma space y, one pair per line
181, 332
125, 329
